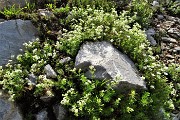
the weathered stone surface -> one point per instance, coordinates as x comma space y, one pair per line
167, 39
50, 73
176, 116
177, 48
13, 34
32, 79
59, 112
155, 3
17, 3
43, 115
150, 31
46, 13
160, 17
8, 110
151, 40
109, 64
65, 60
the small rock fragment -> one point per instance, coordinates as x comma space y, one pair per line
50, 73
150, 31
177, 48
151, 40
167, 39
46, 13
32, 79
160, 17
155, 3
65, 60
170, 56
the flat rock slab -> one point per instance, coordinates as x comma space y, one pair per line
8, 110
109, 64
13, 34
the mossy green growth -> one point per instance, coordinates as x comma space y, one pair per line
95, 25
144, 11
12, 11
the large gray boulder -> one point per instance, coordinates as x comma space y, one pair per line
9, 3
13, 34
8, 110
109, 64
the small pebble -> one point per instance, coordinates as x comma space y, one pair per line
160, 17
65, 60
50, 73
151, 40
170, 56
167, 39
155, 4
158, 25
150, 31
177, 48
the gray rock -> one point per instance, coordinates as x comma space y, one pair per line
65, 60
13, 34
160, 17
60, 112
149, 34
109, 64
8, 110
170, 18
176, 116
170, 56
9, 3
43, 115
167, 39
50, 73
46, 13
151, 40
174, 32
177, 48
32, 79
155, 3
150, 31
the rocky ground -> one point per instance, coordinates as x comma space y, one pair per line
164, 34
167, 30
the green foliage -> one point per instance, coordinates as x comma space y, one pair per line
144, 11
12, 11
91, 25
173, 71
29, 7
174, 7
90, 97
105, 4
63, 11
